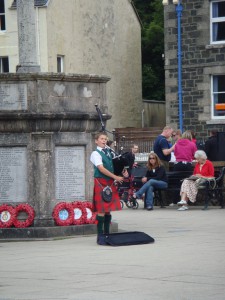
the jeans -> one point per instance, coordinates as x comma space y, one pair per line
148, 188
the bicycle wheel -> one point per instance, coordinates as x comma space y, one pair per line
129, 203
121, 203
135, 205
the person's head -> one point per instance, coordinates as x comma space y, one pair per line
200, 156
187, 135
193, 134
111, 144
213, 132
167, 131
176, 135
153, 161
101, 139
134, 148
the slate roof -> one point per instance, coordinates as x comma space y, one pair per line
36, 3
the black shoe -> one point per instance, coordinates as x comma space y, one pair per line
101, 239
149, 208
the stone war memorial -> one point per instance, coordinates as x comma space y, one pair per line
47, 126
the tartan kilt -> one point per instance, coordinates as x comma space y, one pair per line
99, 205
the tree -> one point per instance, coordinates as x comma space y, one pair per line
153, 75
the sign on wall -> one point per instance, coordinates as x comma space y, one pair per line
13, 96
70, 173
13, 174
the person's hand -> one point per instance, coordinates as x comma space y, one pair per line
144, 179
119, 179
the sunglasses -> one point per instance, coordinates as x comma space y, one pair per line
151, 158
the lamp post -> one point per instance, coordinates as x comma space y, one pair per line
179, 9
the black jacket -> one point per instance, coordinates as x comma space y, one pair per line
211, 149
158, 174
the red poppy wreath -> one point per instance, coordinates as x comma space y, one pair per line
91, 216
63, 214
30, 215
80, 213
7, 216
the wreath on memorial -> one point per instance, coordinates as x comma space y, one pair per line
7, 216
63, 214
30, 215
91, 216
80, 213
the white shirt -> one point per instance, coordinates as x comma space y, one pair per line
96, 158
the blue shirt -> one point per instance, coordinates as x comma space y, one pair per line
160, 144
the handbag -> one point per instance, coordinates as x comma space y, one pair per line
201, 183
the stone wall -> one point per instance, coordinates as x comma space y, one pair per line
199, 61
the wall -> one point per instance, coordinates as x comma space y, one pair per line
97, 37
154, 113
199, 61
104, 38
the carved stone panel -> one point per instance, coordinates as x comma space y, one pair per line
13, 96
70, 173
13, 174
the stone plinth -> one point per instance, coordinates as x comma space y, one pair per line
42, 115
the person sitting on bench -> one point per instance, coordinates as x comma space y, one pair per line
203, 169
155, 178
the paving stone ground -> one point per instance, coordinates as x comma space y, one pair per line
186, 262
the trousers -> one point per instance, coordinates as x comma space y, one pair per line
148, 188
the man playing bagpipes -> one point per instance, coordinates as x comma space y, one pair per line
105, 197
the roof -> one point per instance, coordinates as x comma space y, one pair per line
36, 3
136, 12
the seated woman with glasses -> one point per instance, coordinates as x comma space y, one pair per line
155, 178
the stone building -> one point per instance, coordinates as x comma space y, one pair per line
100, 37
203, 64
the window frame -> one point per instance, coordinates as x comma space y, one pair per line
2, 64
2, 16
62, 64
215, 20
213, 93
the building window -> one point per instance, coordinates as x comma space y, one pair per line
60, 63
4, 64
2, 15
218, 97
217, 22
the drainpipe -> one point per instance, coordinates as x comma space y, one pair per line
179, 9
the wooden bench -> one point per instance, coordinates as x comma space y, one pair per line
209, 193
175, 179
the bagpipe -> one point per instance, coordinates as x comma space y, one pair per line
120, 161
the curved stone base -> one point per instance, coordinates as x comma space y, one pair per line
31, 233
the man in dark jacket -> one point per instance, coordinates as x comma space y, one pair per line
211, 146
130, 156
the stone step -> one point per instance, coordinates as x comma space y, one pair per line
36, 233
